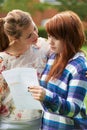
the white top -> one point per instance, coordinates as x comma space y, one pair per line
35, 56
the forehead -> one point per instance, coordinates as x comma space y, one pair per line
28, 30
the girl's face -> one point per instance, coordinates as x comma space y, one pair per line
55, 45
30, 35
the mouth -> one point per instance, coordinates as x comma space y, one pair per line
53, 48
34, 41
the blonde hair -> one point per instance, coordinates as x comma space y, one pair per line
13, 25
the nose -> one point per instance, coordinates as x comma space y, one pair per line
35, 34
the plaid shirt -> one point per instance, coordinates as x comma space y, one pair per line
64, 107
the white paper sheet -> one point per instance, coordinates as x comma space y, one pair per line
19, 79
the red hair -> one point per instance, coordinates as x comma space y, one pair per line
66, 27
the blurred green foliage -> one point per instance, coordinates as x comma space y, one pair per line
1, 2
30, 5
42, 32
15, 4
26, 5
80, 7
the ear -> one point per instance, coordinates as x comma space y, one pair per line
10, 38
13, 41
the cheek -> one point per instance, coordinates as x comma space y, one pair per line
28, 41
58, 47
31, 41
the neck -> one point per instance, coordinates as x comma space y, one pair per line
17, 49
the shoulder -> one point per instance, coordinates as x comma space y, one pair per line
43, 46
43, 42
3, 60
79, 60
77, 64
2, 56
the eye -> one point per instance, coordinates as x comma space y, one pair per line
35, 28
29, 36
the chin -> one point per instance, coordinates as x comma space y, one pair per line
52, 51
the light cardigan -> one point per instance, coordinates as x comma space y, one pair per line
35, 56
64, 105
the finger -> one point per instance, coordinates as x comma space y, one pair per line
37, 97
32, 89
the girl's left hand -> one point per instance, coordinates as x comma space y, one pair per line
38, 92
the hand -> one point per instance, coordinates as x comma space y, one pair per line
38, 92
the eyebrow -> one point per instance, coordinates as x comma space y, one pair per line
31, 32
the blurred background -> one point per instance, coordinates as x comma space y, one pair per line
41, 10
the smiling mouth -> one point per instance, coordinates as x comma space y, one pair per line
35, 40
